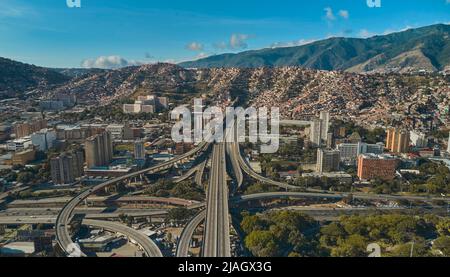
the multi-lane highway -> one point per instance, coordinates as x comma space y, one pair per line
188, 231
337, 196
148, 246
216, 242
187, 175
91, 213
200, 172
234, 155
62, 231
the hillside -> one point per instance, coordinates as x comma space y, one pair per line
108, 85
298, 92
426, 48
17, 79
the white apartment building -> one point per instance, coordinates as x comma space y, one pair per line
418, 139
44, 139
350, 151
325, 117
316, 132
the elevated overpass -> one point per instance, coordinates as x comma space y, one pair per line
216, 242
64, 217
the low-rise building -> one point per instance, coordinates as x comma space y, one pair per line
349, 152
24, 157
51, 105
342, 177
112, 172
19, 144
371, 166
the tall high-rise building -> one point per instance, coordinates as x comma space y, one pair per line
44, 139
397, 141
330, 140
327, 160
99, 150
139, 150
325, 117
27, 128
371, 166
67, 167
316, 132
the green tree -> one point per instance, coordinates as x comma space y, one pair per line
262, 244
354, 246
252, 223
419, 249
25, 177
442, 244
331, 234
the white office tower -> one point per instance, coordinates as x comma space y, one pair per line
349, 152
316, 132
325, 117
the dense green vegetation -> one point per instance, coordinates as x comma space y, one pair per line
260, 188
185, 190
27, 175
281, 234
288, 233
434, 178
180, 214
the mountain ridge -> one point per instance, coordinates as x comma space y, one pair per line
342, 53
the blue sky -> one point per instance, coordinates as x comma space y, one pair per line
112, 33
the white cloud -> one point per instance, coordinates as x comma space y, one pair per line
239, 41
195, 46
236, 42
329, 13
345, 14
108, 62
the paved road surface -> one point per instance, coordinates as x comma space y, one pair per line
186, 236
216, 241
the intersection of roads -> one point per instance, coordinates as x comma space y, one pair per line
215, 216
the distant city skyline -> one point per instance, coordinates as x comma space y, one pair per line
113, 33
